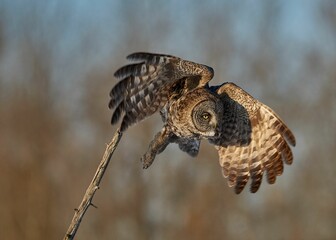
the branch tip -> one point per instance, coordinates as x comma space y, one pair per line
87, 198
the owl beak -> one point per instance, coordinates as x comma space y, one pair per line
214, 129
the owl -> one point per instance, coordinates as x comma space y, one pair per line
250, 137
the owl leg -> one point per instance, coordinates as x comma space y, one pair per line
157, 145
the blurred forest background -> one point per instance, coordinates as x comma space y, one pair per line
57, 60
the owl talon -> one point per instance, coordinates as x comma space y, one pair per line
145, 166
147, 161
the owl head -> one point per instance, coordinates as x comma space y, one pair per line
199, 114
205, 118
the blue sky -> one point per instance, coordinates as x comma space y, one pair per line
80, 37
65, 24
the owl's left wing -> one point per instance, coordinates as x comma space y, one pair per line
145, 87
253, 139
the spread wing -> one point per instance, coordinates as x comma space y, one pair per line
253, 140
145, 86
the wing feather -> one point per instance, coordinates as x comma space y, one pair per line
253, 140
145, 87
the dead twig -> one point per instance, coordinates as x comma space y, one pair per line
94, 185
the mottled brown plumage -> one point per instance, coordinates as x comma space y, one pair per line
250, 137
145, 87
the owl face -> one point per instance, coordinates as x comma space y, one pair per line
196, 114
205, 118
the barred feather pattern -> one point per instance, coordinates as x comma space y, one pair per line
253, 140
145, 87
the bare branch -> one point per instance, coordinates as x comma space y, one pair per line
94, 185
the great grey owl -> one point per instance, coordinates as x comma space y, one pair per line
249, 136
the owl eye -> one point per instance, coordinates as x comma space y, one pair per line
206, 116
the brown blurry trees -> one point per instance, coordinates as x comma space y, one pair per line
31, 130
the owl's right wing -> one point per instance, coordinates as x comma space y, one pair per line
253, 139
145, 87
